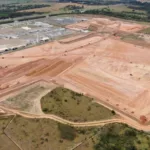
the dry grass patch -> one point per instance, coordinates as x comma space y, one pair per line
5, 142
45, 134
74, 106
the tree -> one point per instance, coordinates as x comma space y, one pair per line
113, 112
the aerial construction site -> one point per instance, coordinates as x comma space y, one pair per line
85, 54
69, 57
74, 75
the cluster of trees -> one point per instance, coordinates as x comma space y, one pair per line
118, 137
123, 14
21, 7
73, 7
99, 2
5, 15
140, 6
133, 4
12, 11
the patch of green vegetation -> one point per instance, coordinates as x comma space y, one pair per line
138, 16
3, 123
45, 134
5, 142
73, 106
145, 31
73, 7
67, 132
117, 136
9, 2
131, 37
121, 137
12, 10
3, 14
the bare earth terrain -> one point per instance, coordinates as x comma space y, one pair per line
97, 64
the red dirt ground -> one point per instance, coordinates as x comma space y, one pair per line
101, 23
115, 72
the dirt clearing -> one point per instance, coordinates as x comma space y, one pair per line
98, 63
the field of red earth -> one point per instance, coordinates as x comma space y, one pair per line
100, 65
107, 24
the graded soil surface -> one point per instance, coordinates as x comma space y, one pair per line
97, 63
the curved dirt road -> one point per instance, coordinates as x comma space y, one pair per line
131, 123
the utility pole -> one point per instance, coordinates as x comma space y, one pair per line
37, 37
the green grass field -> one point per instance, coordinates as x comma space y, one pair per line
74, 106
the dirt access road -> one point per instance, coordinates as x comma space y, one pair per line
97, 63
130, 122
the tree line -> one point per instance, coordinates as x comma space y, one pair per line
12, 11
123, 14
